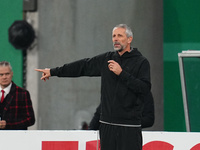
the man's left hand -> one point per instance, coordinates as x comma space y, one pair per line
114, 67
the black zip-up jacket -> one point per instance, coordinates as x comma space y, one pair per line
121, 96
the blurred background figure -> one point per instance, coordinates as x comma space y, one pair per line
84, 126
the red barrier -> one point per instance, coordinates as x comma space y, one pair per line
92, 145
89, 140
59, 145
158, 145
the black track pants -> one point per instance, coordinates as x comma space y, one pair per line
120, 137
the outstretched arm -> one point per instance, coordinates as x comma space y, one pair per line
45, 73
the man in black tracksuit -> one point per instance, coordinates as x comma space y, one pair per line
125, 80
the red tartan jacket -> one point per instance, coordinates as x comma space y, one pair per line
17, 109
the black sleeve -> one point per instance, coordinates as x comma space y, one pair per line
84, 67
94, 123
148, 116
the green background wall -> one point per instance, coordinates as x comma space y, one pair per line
11, 10
181, 32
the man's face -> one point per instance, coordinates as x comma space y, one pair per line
120, 39
5, 76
